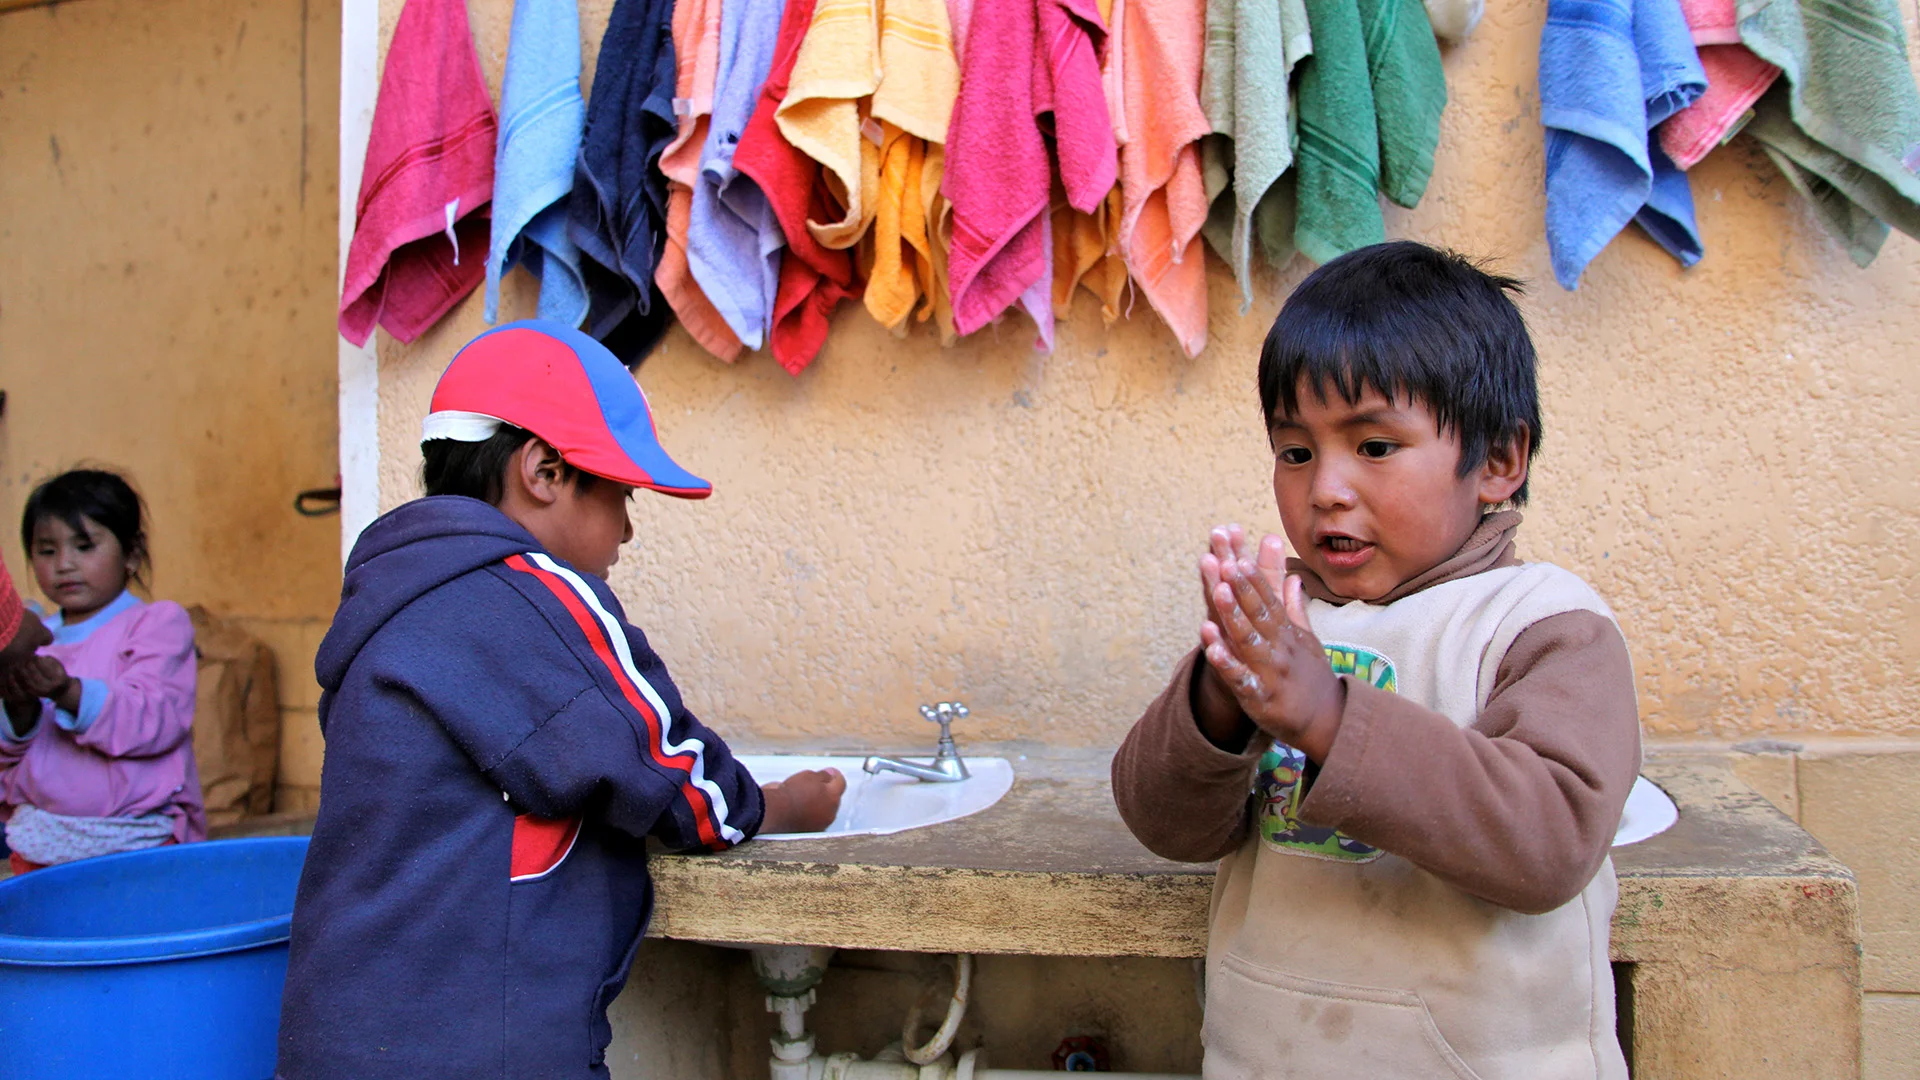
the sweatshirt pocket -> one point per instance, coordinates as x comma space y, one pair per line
1262, 1022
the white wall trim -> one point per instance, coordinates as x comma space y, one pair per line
359, 365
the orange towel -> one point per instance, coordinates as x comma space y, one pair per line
1084, 254
696, 50
919, 84
1164, 197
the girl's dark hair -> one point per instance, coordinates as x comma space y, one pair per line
101, 496
478, 470
1415, 322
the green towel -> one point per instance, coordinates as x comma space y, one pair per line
1409, 92
1845, 127
1251, 49
1370, 103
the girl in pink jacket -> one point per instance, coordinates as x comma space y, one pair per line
96, 745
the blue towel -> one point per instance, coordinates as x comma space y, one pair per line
733, 237
541, 118
617, 214
1610, 70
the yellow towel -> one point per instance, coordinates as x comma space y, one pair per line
920, 79
939, 214
1084, 254
825, 110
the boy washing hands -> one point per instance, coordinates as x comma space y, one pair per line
1439, 738
501, 743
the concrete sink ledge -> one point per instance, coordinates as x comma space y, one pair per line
1736, 940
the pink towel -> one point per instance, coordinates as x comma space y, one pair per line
1071, 36
420, 234
1735, 80
998, 176
1164, 198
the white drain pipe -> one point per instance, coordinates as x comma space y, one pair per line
790, 973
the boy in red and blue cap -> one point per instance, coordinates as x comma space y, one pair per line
501, 743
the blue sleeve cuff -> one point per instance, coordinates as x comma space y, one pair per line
8, 734
93, 698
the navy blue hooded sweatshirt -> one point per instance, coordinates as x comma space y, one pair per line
499, 745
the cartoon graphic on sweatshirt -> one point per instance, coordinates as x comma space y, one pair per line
1278, 782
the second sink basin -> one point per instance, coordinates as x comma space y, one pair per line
889, 802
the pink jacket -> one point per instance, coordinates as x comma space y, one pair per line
129, 750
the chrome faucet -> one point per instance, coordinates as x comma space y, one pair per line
946, 766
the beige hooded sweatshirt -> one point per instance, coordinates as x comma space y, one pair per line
1434, 899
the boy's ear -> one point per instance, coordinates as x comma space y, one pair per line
539, 471
1505, 468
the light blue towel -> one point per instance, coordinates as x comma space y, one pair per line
541, 117
1610, 70
733, 237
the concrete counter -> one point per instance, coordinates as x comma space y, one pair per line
1736, 942
1737, 938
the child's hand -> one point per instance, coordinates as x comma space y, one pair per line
1215, 707
804, 802
33, 678
1264, 650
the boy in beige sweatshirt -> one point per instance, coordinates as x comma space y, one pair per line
1409, 749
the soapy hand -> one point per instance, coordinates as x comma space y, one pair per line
804, 802
1262, 648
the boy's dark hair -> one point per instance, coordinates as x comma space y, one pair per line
104, 497
478, 470
1415, 322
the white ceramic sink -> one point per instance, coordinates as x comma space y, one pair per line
889, 802
1649, 813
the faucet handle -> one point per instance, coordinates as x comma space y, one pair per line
944, 714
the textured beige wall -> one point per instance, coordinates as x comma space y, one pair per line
166, 297
1729, 457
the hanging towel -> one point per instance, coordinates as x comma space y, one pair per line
1610, 70
1113, 67
998, 177
1084, 254
1071, 38
734, 239
419, 237
959, 19
541, 117
1252, 47
823, 113
1163, 192
1846, 128
1370, 103
939, 216
1084, 211
617, 213
813, 279
1735, 80
919, 84
696, 52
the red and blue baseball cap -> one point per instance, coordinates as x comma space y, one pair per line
566, 388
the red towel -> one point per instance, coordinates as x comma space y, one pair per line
429, 171
998, 177
813, 279
1072, 36
1735, 80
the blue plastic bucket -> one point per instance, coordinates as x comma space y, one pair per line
164, 964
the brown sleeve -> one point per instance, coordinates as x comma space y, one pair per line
1182, 796
1518, 809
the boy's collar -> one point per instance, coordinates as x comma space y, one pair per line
1488, 547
